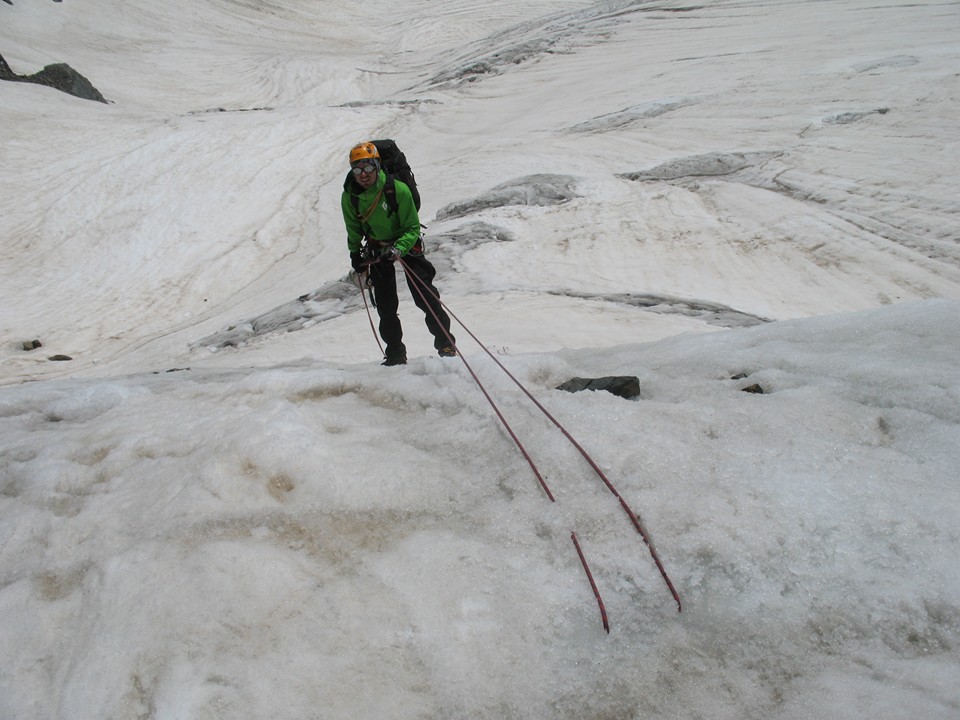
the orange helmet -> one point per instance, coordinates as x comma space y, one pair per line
364, 151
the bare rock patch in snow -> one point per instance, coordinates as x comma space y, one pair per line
342, 296
711, 313
58, 76
707, 165
895, 61
540, 190
632, 115
845, 118
625, 386
554, 33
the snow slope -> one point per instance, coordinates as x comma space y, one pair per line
223, 507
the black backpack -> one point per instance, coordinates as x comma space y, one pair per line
394, 163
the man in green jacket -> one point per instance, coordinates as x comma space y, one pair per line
382, 227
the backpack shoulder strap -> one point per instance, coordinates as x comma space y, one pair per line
390, 190
349, 184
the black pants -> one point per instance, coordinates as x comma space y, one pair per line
383, 275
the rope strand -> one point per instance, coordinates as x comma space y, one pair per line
523, 450
596, 468
596, 592
369, 315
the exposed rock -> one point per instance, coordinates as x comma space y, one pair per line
31, 344
342, 296
632, 115
895, 61
845, 118
541, 190
59, 76
755, 389
707, 165
59, 358
712, 313
471, 235
625, 386
330, 301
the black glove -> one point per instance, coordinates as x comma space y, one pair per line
356, 260
390, 254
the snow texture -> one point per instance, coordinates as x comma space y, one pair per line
224, 507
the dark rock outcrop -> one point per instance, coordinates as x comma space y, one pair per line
540, 190
625, 386
59, 76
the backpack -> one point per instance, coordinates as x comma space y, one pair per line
394, 163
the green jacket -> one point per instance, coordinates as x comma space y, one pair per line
383, 226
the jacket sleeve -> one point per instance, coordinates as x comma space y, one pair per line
352, 222
408, 218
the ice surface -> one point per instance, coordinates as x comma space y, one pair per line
224, 507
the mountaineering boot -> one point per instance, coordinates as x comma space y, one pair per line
395, 354
447, 351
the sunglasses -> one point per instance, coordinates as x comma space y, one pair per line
365, 168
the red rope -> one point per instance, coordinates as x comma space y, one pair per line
369, 316
623, 503
513, 435
596, 593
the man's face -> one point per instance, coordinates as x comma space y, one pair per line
365, 173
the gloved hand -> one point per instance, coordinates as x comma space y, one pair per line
390, 254
356, 260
